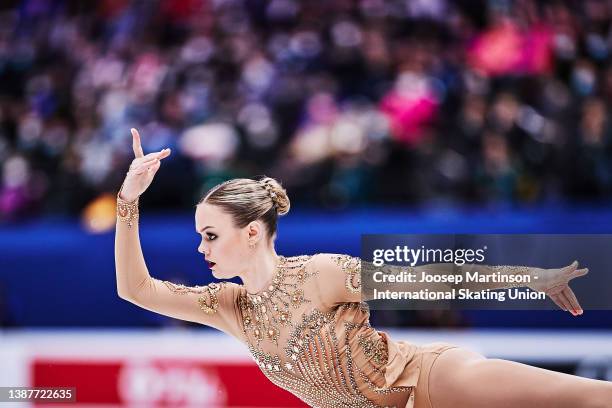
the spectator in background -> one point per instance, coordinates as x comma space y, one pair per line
590, 159
498, 176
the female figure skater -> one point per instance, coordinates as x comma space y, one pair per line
304, 320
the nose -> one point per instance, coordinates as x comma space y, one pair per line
203, 249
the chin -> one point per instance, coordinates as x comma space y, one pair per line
219, 274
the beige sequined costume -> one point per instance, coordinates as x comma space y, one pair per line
309, 333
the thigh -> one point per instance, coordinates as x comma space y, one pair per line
431, 388
427, 357
460, 378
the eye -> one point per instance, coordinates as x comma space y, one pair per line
210, 237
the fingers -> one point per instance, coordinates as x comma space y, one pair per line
136, 146
143, 160
154, 167
569, 294
568, 304
563, 302
555, 290
579, 272
143, 163
164, 153
571, 266
150, 158
555, 298
141, 167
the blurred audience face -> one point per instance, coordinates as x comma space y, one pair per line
495, 152
593, 122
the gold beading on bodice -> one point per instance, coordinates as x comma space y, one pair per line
328, 357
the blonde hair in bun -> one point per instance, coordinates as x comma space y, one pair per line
248, 200
277, 194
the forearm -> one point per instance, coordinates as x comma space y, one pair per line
131, 270
483, 277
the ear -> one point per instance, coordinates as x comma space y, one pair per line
254, 231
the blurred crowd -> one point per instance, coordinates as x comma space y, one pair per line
346, 102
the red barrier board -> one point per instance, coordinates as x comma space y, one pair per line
163, 382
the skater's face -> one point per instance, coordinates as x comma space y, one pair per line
224, 246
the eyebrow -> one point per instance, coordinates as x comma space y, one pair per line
204, 229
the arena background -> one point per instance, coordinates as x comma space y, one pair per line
378, 116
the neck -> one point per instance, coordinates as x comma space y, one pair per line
261, 271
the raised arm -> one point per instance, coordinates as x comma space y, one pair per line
214, 305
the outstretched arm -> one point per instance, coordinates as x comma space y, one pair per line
345, 277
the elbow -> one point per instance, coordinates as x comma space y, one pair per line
130, 291
123, 288
128, 298
123, 294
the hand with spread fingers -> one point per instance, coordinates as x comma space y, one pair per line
555, 283
142, 170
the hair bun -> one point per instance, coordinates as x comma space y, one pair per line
277, 194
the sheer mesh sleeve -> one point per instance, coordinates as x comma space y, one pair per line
344, 278
215, 304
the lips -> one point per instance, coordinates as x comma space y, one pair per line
211, 264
